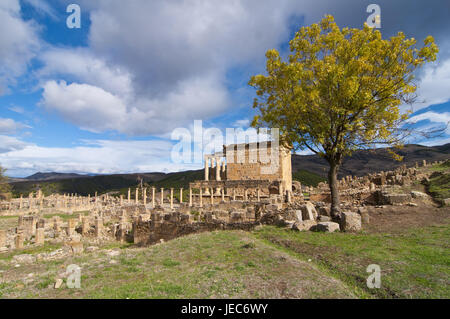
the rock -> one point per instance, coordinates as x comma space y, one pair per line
365, 219
76, 247
419, 195
324, 211
446, 202
323, 218
289, 223
25, 258
308, 211
58, 283
298, 215
350, 222
113, 253
304, 225
412, 204
91, 248
327, 227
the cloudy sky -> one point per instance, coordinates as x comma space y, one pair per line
105, 98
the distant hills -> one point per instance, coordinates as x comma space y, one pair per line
308, 169
368, 161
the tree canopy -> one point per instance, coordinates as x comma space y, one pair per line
340, 89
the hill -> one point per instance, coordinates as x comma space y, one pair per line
368, 161
308, 169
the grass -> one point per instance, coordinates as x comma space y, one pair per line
222, 264
415, 264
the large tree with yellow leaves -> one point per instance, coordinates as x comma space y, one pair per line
339, 91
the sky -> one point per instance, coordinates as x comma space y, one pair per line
106, 97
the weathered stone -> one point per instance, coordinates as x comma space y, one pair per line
365, 219
75, 246
350, 222
304, 225
308, 211
324, 211
2, 238
420, 195
24, 258
323, 218
39, 239
58, 283
327, 227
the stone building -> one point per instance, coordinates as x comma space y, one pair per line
258, 168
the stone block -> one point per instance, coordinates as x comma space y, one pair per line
350, 222
304, 225
327, 227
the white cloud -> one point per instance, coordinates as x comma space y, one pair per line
82, 65
241, 123
18, 43
9, 144
98, 156
433, 87
87, 106
9, 126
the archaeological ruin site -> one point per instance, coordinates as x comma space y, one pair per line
239, 191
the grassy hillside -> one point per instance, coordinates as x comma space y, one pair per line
307, 178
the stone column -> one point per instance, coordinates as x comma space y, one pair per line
234, 193
84, 225
137, 195
218, 164
19, 239
98, 227
190, 197
181, 195
258, 198
21, 202
201, 197
2, 238
129, 196
212, 197
171, 198
145, 196
245, 194
223, 194
121, 200
206, 168
162, 196
71, 223
153, 197
288, 196
39, 239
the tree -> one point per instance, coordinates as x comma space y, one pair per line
339, 91
4, 186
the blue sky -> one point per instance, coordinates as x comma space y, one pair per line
105, 98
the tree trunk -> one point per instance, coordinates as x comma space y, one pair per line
333, 183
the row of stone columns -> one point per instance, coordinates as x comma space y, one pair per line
217, 162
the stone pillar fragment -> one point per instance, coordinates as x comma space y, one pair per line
2, 238
39, 239
153, 197
190, 197
19, 239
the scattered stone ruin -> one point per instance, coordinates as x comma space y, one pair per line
232, 196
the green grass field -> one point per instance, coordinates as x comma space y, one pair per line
269, 262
